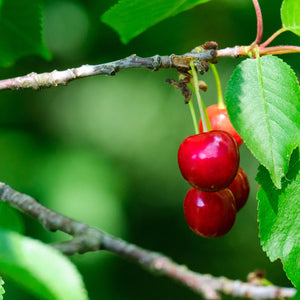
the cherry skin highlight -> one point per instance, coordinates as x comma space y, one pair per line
209, 161
209, 215
240, 189
219, 120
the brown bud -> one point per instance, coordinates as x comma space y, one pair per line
256, 276
210, 45
205, 65
202, 85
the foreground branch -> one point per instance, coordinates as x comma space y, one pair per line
55, 78
86, 239
179, 62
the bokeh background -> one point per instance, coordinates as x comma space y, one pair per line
103, 150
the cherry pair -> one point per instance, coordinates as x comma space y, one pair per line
210, 163
212, 214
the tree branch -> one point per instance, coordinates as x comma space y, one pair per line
86, 239
55, 78
179, 62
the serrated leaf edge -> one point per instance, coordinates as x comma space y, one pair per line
2, 290
245, 140
263, 243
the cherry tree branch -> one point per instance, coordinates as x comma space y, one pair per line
179, 62
86, 238
55, 78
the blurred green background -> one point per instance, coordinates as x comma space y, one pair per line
103, 150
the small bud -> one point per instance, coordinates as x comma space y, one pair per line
256, 277
205, 65
210, 45
202, 85
201, 66
184, 77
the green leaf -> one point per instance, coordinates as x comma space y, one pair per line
186, 5
290, 15
297, 296
263, 103
39, 268
129, 18
2, 291
10, 218
278, 216
21, 30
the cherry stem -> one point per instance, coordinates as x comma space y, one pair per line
259, 33
203, 114
221, 103
272, 37
279, 50
194, 118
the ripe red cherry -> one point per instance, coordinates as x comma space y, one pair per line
240, 189
209, 214
209, 161
219, 120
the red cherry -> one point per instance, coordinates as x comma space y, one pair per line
219, 120
209, 161
209, 214
240, 189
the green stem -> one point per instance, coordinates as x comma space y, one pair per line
221, 103
194, 118
203, 114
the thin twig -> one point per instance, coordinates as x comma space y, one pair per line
259, 33
276, 50
86, 239
272, 37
